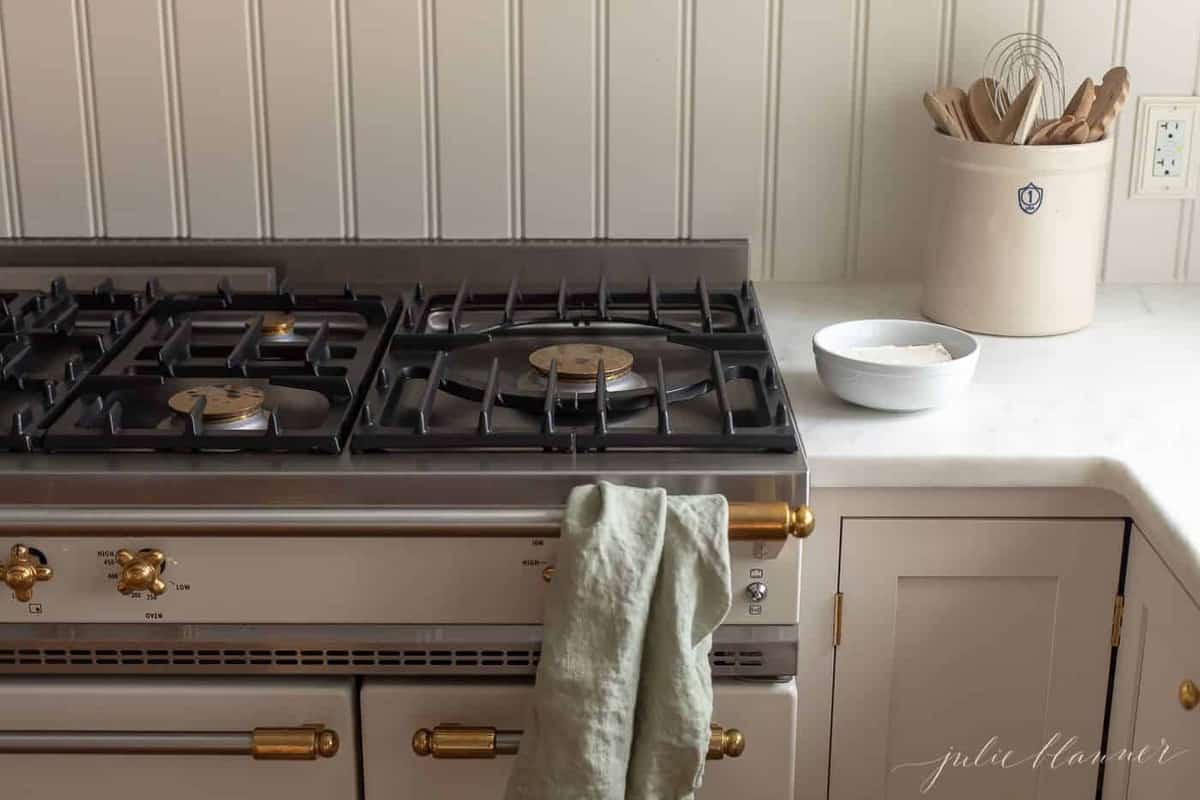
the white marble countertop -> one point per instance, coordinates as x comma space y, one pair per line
1114, 406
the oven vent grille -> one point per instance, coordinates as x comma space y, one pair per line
274, 657
736, 658
115, 658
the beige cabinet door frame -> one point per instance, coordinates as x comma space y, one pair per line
961, 632
1160, 648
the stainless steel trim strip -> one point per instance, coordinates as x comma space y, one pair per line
155, 743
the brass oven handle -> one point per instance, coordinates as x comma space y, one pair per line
1189, 694
480, 741
772, 521
304, 743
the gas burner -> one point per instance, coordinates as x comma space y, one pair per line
458, 372
227, 407
275, 370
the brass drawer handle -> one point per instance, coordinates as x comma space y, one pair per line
479, 741
1189, 694
304, 743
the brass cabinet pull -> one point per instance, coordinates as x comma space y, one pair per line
305, 743
480, 741
1189, 694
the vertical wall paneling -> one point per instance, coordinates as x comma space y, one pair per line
472, 117
258, 119
1085, 41
600, 118
302, 118
386, 88
559, 104
136, 165
10, 203
41, 73
1144, 235
429, 118
902, 45
729, 119
515, 93
87, 106
347, 191
686, 120
977, 26
217, 130
169, 26
814, 171
643, 117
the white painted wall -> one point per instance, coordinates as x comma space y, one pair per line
797, 123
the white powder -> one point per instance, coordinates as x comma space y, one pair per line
910, 355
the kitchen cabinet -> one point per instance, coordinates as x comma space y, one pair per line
1160, 649
972, 637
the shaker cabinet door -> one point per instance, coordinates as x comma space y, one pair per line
963, 639
1158, 664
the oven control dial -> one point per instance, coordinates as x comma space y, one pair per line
757, 592
140, 572
22, 571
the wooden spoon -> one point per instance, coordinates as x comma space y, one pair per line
979, 103
1019, 117
955, 100
1041, 131
1081, 102
1111, 95
943, 118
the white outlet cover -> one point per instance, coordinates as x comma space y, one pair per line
1184, 181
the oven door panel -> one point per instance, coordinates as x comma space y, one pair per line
34, 709
393, 710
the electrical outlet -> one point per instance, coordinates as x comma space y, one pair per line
1165, 163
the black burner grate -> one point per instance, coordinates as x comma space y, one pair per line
306, 356
457, 373
49, 342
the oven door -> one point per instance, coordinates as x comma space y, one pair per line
179, 738
401, 717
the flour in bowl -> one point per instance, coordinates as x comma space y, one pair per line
906, 355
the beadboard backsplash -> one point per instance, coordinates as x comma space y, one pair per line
796, 124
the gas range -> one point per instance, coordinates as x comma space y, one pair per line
365, 484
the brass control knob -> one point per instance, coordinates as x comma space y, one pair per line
140, 572
22, 571
724, 742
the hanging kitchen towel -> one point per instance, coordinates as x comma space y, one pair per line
623, 698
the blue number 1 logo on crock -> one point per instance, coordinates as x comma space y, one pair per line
1029, 197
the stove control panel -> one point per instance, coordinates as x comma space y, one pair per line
379, 579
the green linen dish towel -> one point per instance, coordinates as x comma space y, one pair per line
623, 700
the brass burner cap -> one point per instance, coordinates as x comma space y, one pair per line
577, 361
278, 323
225, 403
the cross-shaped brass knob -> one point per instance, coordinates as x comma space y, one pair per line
23, 570
140, 572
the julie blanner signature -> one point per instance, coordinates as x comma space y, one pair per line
1058, 752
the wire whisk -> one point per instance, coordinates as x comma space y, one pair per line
1014, 61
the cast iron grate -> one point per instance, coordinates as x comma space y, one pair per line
456, 374
306, 355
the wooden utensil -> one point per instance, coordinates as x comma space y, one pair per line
1018, 119
1042, 131
1111, 95
954, 99
983, 115
943, 118
1081, 102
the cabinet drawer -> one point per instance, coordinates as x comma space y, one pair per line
393, 710
44, 716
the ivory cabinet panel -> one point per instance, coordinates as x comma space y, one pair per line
1160, 649
957, 633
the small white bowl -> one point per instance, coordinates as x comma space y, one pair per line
894, 387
